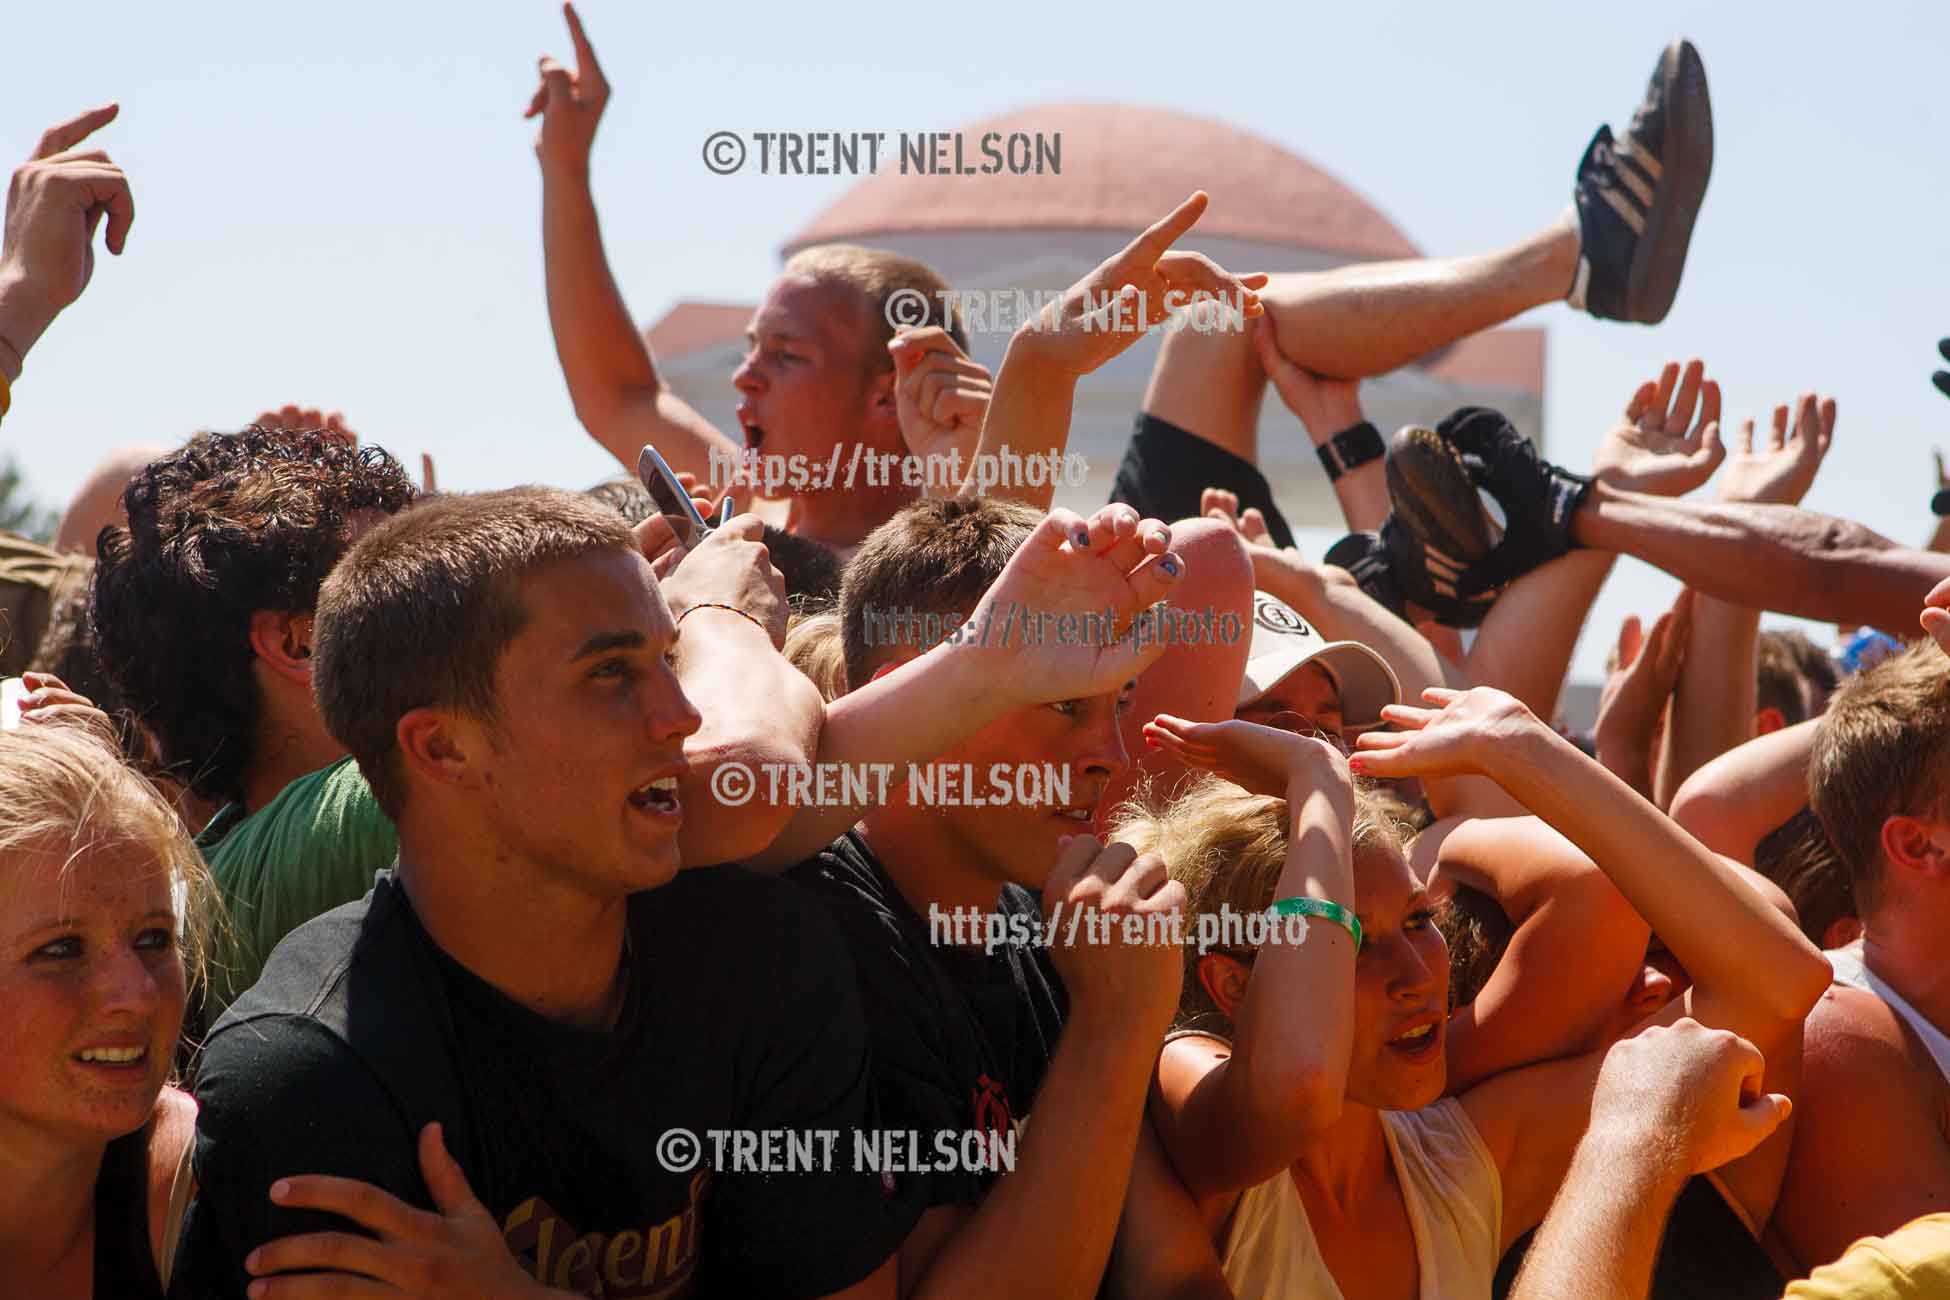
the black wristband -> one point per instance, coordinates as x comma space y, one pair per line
1940, 503
1351, 449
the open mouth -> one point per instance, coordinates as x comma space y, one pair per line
658, 797
1419, 1043
114, 1058
1081, 816
754, 435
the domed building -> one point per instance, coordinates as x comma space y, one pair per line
1123, 166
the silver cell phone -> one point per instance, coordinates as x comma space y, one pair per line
672, 501
12, 691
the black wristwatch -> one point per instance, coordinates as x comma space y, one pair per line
1940, 503
1351, 449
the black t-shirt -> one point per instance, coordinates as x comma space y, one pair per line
742, 1014
961, 1037
1706, 1254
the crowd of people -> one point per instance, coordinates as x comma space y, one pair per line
378, 921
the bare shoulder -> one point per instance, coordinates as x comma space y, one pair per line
1851, 1028
1869, 1151
1184, 1061
174, 1134
175, 1130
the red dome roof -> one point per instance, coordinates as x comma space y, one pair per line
1123, 167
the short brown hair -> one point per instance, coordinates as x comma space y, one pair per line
937, 556
419, 612
1882, 750
1796, 676
877, 276
1227, 847
1797, 856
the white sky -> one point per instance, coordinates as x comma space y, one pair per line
338, 204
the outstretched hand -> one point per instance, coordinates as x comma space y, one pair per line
47, 254
1111, 566
1633, 702
1462, 735
453, 1253
1782, 469
1112, 307
302, 419
570, 104
1657, 446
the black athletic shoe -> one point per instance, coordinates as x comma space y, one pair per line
1393, 567
1365, 557
1942, 377
1434, 495
1638, 196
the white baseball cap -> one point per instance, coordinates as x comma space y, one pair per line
1283, 641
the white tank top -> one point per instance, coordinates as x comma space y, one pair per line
1454, 1198
1852, 971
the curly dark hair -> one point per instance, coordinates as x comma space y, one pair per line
222, 528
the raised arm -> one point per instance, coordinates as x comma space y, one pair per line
926, 706
612, 379
1076, 1157
1633, 706
56, 199
1734, 802
1802, 563
1328, 409
1576, 949
1232, 1118
1752, 971
1713, 709
759, 711
1666, 441
1673, 1102
1097, 318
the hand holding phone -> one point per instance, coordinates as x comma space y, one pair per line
672, 501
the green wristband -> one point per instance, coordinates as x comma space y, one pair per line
1323, 909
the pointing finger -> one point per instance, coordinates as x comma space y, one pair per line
586, 66
1153, 242
65, 135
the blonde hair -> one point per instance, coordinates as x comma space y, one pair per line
877, 276
65, 790
813, 645
1227, 847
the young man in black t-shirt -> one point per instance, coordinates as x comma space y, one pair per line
535, 977
968, 1041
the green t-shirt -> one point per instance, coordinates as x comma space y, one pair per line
316, 846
